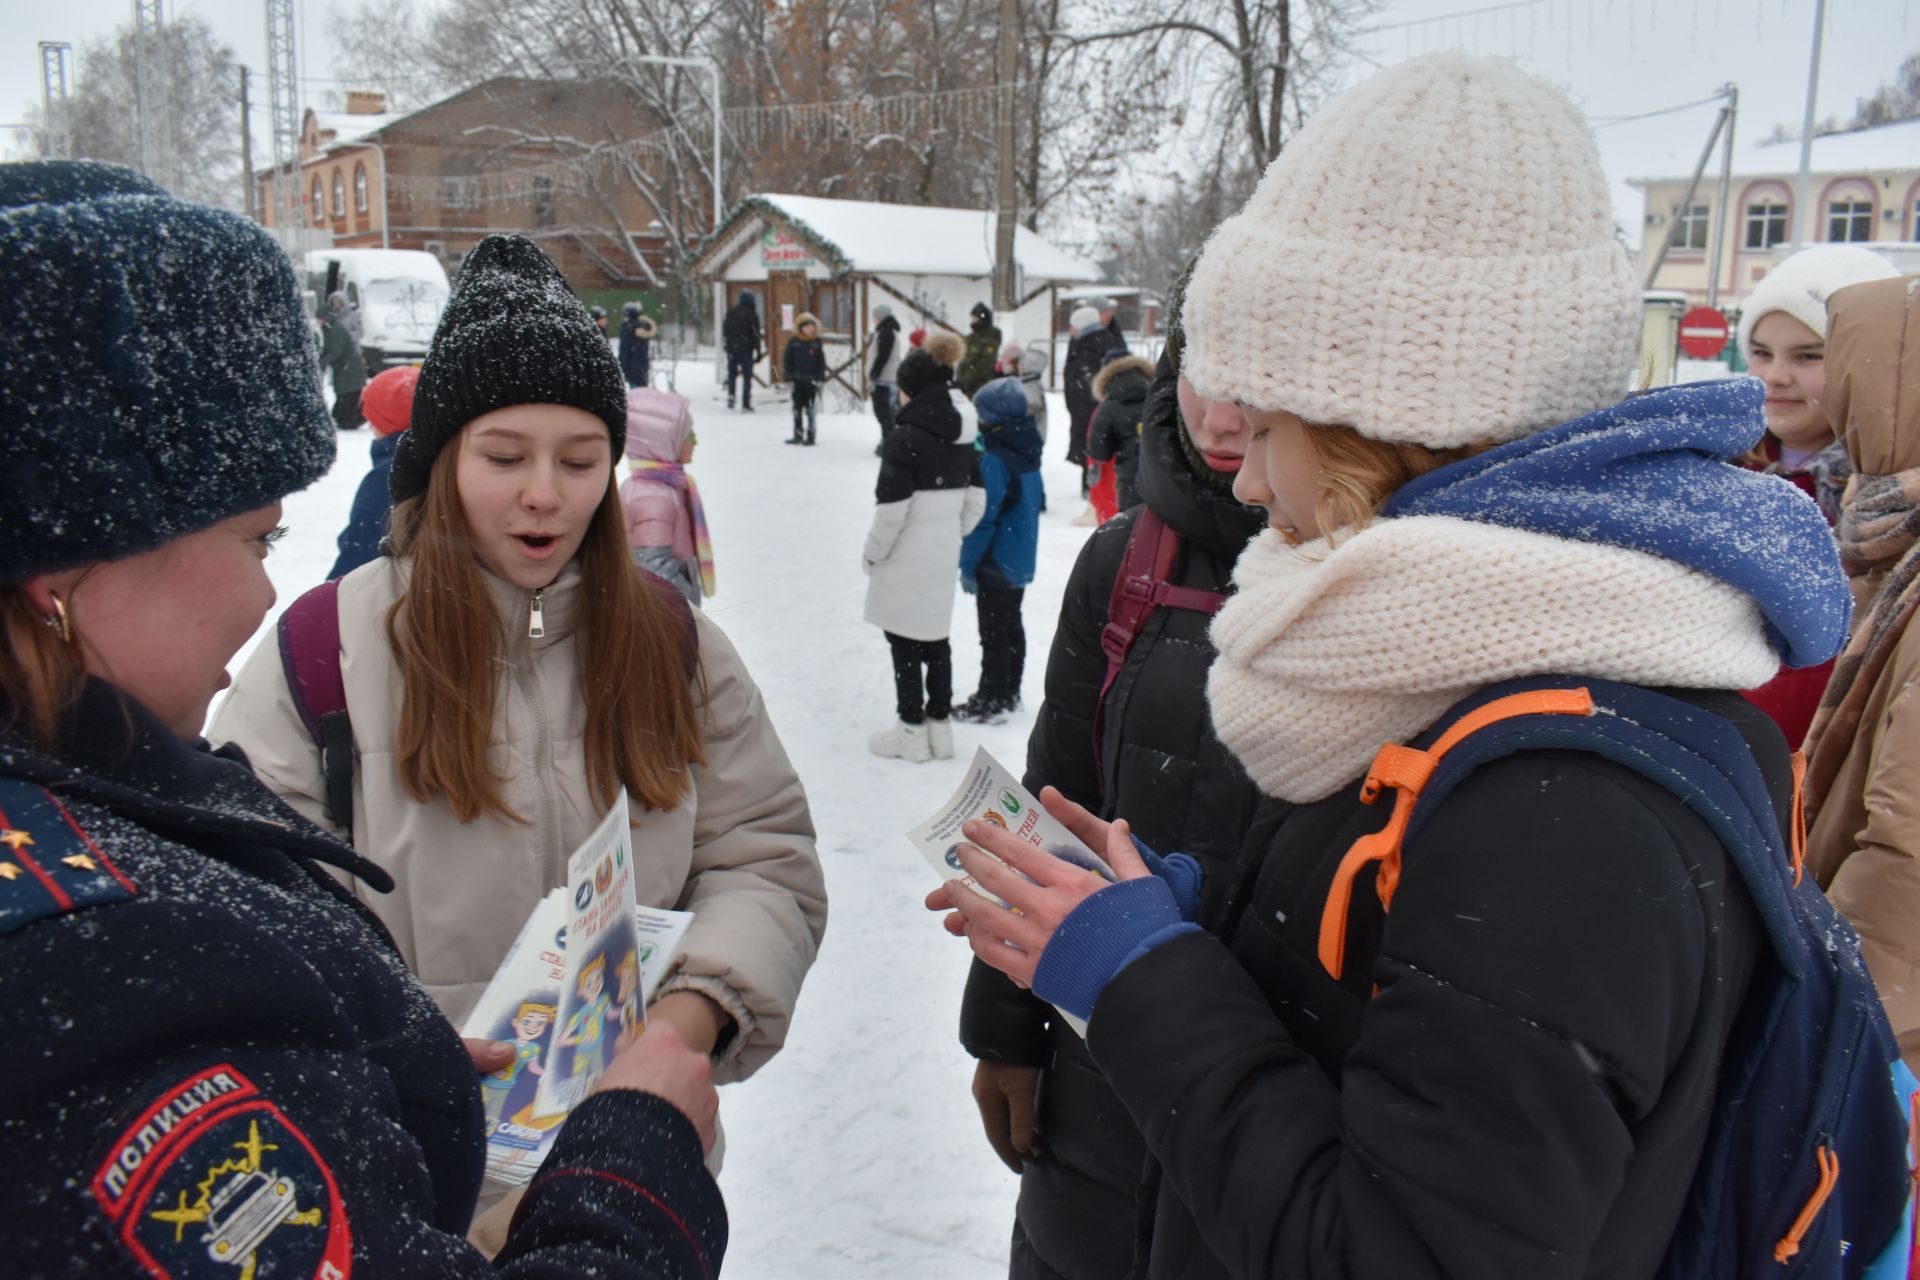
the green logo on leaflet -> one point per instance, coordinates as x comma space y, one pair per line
1010, 802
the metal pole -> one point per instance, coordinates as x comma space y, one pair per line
1802, 216
1719, 233
246, 143
1686, 201
719, 203
56, 135
1007, 212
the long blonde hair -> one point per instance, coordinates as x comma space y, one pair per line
643, 728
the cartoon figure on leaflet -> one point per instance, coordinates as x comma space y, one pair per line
530, 1025
627, 1000
586, 1031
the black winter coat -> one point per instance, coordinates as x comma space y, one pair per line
923, 450
201, 1017
1527, 1092
804, 360
1114, 435
1085, 354
886, 336
1161, 768
635, 358
740, 329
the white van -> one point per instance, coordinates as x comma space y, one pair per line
400, 294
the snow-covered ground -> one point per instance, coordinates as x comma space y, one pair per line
857, 1152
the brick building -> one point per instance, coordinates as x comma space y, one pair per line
443, 177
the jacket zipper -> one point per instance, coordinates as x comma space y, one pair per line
547, 821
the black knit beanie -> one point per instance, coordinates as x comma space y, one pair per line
157, 370
513, 333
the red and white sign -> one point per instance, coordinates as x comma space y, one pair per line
1703, 333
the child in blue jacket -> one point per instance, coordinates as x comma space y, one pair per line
997, 558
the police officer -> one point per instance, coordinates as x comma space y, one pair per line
219, 1065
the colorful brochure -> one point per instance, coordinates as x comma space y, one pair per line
573, 988
991, 793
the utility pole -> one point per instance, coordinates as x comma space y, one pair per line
150, 91
1803, 217
246, 144
1721, 214
1009, 208
1724, 121
56, 129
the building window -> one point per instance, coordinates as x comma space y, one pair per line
319, 200
542, 200
339, 194
1849, 220
1690, 227
833, 304
1766, 224
360, 188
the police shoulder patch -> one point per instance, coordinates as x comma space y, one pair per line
49, 865
212, 1179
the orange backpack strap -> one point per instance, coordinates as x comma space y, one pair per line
1406, 771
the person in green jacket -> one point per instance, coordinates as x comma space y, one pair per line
983, 348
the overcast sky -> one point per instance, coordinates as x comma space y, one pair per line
1618, 57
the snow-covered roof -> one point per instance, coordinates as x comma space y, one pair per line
872, 238
1888, 148
347, 128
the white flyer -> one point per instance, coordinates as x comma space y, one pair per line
553, 1001
991, 793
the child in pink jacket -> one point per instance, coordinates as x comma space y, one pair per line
666, 525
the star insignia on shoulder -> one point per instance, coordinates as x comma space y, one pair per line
80, 862
8, 870
14, 839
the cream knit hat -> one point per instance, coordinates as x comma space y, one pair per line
1801, 285
1431, 260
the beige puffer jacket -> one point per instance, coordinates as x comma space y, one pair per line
1864, 845
738, 852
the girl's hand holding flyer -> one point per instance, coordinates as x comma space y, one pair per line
990, 793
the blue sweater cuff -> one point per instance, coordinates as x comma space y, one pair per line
1183, 875
1100, 937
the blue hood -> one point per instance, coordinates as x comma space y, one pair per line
1653, 474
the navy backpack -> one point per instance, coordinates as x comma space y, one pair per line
1805, 1172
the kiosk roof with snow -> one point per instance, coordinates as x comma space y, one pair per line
860, 237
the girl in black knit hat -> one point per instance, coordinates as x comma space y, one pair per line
508, 673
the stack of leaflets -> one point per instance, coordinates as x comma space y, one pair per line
573, 989
992, 794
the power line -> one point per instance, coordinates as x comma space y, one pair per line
1454, 16
1607, 122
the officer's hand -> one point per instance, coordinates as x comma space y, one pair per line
1005, 1097
488, 1055
663, 1064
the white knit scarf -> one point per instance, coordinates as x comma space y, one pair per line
1328, 654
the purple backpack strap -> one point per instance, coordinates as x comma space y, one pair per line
1139, 588
309, 633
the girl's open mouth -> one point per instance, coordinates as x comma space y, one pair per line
537, 544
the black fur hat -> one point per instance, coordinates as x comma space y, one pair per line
159, 368
512, 333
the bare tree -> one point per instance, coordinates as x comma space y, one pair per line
201, 131
1257, 66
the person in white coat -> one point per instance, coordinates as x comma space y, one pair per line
467, 656
928, 497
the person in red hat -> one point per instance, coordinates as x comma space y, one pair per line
388, 405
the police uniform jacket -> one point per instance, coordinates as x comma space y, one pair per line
221, 1066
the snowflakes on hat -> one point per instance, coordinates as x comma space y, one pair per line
161, 377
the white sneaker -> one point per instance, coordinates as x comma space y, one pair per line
902, 742
1086, 519
940, 738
